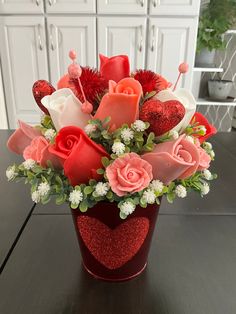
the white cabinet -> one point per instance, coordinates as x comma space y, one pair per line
21, 6
3, 113
24, 61
123, 35
71, 6
171, 42
66, 33
174, 7
122, 6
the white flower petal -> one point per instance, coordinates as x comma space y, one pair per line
65, 109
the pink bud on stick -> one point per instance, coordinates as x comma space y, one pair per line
183, 68
75, 71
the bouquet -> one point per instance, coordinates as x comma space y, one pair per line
113, 136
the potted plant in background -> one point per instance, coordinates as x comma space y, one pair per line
216, 18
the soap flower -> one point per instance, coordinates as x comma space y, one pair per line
121, 103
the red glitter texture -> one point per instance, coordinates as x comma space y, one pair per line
162, 116
93, 83
114, 249
40, 89
151, 81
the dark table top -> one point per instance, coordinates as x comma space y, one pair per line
191, 268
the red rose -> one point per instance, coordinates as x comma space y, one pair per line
79, 155
210, 129
115, 68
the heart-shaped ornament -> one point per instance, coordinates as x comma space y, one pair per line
162, 116
113, 247
40, 89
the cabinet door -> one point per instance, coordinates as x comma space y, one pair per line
21, 6
71, 6
174, 7
24, 61
3, 113
122, 6
171, 42
66, 33
123, 35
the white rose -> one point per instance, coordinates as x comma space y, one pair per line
187, 100
65, 109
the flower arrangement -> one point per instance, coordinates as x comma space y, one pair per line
112, 136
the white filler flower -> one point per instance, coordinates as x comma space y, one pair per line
139, 126
11, 173
127, 134
180, 191
75, 197
29, 164
35, 196
174, 134
149, 196
208, 145
157, 186
118, 148
102, 188
205, 189
50, 134
90, 128
207, 174
127, 208
190, 139
43, 188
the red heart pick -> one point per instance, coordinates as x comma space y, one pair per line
113, 247
162, 116
40, 89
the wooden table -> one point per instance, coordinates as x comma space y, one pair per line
191, 268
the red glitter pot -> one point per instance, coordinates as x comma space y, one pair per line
114, 249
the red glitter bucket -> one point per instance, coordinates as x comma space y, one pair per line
114, 249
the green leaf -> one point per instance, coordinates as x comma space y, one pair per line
122, 215
45, 199
83, 206
74, 206
109, 195
105, 162
100, 171
60, 199
88, 190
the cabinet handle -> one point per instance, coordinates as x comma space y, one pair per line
37, 2
141, 3
52, 45
153, 38
140, 45
40, 43
154, 3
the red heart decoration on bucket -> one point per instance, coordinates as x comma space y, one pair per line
40, 89
162, 116
113, 247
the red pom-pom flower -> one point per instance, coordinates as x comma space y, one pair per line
93, 84
151, 81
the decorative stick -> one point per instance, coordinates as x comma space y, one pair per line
183, 68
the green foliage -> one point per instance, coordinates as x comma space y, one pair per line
216, 18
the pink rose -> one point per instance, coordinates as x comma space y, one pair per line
22, 137
204, 158
129, 174
38, 151
172, 160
